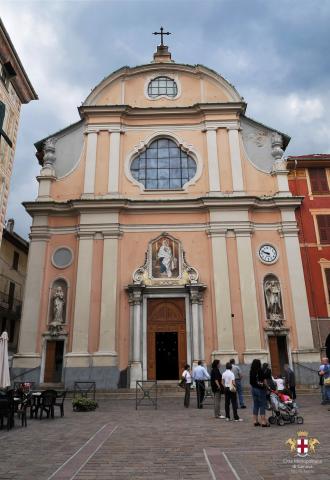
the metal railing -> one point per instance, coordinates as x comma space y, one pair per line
146, 393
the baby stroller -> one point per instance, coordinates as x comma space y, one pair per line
283, 411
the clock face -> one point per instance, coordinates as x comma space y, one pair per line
268, 253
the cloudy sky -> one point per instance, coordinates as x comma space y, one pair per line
275, 52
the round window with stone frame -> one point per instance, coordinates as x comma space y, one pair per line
162, 87
62, 257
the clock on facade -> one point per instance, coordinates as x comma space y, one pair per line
268, 253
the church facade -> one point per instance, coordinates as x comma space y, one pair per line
163, 233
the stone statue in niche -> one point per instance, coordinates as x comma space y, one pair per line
272, 290
58, 305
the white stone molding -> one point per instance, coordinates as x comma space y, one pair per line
223, 308
114, 158
90, 165
144, 144
213, 161
83, 295
160, 73
236, 163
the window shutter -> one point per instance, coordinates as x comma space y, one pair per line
318, 179
327, 277
323, 222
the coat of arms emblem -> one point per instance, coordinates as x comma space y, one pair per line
302, 446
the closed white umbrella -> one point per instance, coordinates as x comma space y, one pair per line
4, 364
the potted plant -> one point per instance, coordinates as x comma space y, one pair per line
83, 404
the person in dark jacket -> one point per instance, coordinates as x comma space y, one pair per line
290, 381
258, 390
217, 387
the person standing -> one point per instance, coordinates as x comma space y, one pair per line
238, 381
228, 381
216, 387
324, 362
259, 390
325, 373
290, 381
200, 374
186, 375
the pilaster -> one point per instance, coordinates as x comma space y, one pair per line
107, 340
83, 295
213, 161
248, 295
114, 157
235, 155
89, 182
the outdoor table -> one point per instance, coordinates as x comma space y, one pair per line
35, 404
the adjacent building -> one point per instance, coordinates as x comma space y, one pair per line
13, 263
310, 178
164, 232
15, 89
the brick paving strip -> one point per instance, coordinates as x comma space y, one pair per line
220, 466
78, 460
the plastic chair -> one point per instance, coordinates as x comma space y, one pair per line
60, 401
47, 403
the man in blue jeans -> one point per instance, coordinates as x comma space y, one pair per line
238, 381
200, 374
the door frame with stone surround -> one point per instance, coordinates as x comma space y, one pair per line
164, 295
44, 354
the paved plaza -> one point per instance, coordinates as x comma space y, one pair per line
170, 443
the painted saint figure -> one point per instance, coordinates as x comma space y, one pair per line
58, 305
273, 297
167, 261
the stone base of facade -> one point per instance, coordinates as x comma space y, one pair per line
25, 375
306, 364
105, 378
135, 373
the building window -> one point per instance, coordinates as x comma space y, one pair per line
323, 222
163, 166
327, 278
162, 86
11, 295
62, 257
3, 324
11, 331
318, 179
15, 260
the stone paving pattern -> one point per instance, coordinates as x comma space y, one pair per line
163, 444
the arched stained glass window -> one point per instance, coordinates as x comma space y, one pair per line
163, 166
162, 86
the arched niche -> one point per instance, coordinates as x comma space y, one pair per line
58, 302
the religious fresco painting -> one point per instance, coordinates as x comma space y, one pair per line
165, 258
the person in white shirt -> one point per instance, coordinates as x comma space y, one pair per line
279, 383
186, 374
228, 381
200, 374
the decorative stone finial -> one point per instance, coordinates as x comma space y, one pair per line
49, 149
277, 152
